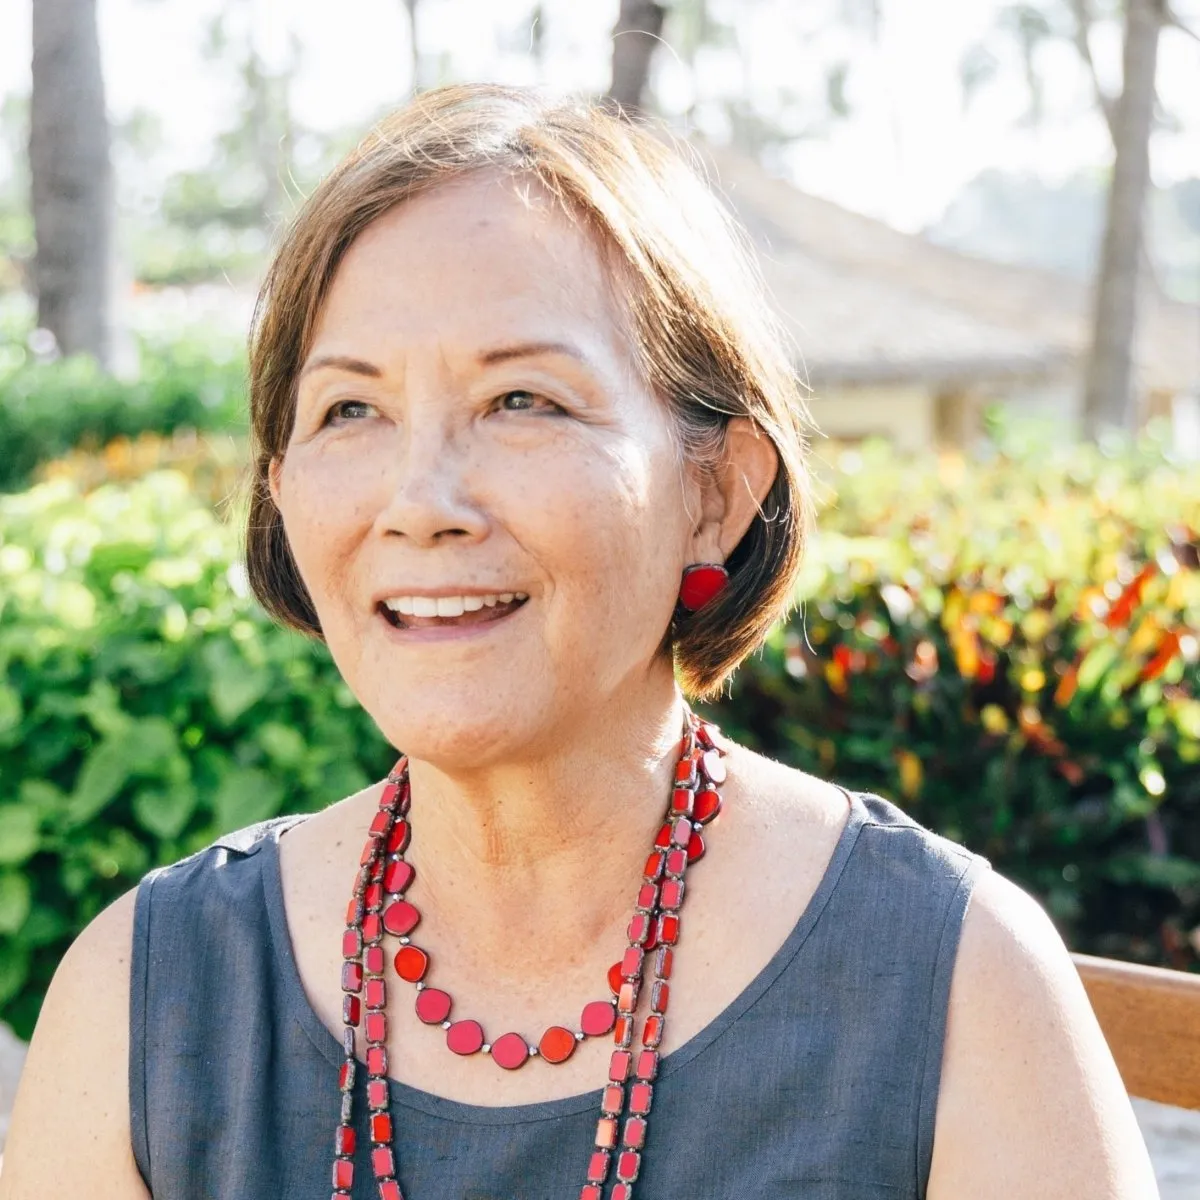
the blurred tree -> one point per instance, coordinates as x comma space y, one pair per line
414, 45
71, 179
636, 34
1109, 392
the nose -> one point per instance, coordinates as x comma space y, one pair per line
432, 488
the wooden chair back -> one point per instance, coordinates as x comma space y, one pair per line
1151, 1020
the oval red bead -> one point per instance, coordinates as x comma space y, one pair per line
598, 1018
397, 875
557, 1044
696, 847
433, 1005
615, 978
510, 1051
411, 963
465, 1037
400, 918
397, 841
708, 804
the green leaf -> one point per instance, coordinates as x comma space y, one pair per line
283, 744
102, 777
244, 796
235, 685
164, 812
15, 899
18, 833
10, 710
152, 745
14, 970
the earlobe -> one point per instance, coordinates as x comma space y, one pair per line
273, 469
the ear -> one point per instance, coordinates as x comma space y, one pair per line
732, 496
274, 467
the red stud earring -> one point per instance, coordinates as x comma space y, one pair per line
701, 583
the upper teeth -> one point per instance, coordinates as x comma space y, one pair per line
448, 606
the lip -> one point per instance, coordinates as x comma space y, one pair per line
444, 633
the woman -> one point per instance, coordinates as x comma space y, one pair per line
528, 450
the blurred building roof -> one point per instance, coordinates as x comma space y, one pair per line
868, 304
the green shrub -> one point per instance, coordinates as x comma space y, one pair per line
146, 705
47, 409
1008, 650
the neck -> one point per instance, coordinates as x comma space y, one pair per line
546, 849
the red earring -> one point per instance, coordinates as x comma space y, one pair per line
701, 583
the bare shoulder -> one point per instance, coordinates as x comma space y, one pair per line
78, 1063
783, 796
1031, 1102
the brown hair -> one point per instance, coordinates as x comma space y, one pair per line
707, 340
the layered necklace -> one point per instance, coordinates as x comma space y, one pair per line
379, 909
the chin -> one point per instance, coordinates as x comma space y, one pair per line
455, 731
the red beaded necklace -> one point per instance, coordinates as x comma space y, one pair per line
378, 906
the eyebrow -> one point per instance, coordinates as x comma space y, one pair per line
487, 358
341, 362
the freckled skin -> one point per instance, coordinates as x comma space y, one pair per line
426, 476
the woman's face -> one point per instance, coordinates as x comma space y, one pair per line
472, 440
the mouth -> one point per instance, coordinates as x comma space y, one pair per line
449, 612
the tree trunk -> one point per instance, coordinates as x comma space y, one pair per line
71, 179
635, 36
1110, 398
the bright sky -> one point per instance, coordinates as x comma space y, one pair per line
902, 157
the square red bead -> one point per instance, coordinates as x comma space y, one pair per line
639, 927
351, 1010
351, 944
627, 998
343, 1173
372, 927
382, 1162
621, 1191
685, 771
380, 823
640, 1096
672, 893
373, 896
377, 1093
681, 802
346, 1074
606, 1133
668, 929
664, 961
591, 1192
660, 996
647, 897
654, 865
376, 1027
618, 1066
373, 960
635, 1133
613, 1100
623, 1031
352, 977
676, 863
628, 1162
631, 962
377, 1060
376, 993
647, 1065
344, 1140
389, 1189
381, 1128
597, 1170
652, 1031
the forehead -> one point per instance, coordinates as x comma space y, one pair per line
486, 257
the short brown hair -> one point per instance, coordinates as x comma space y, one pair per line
707, 339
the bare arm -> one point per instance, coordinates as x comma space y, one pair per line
1031, 1103
70, 1124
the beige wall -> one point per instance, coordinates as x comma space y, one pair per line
904, 415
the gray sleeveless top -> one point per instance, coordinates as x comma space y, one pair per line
819, 1081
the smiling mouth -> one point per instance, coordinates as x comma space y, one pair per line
424, 612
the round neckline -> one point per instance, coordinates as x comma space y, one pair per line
461, 1112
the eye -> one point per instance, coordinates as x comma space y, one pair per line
345, 409
519, 400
